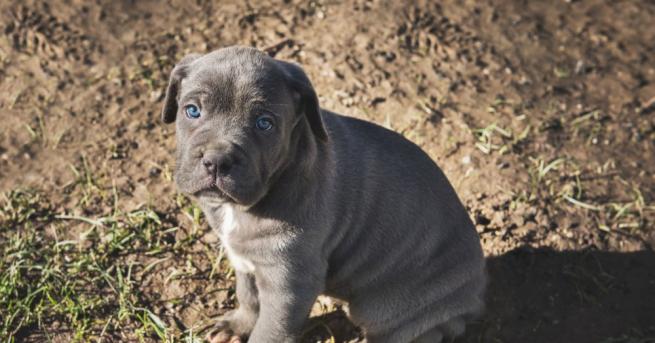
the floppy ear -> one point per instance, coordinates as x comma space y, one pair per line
169, 111
299, 82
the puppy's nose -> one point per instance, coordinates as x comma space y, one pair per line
218, 164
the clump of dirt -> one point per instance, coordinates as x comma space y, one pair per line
541, 114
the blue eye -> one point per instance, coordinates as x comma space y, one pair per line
264, 123
192, 111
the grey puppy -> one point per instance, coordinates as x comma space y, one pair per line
308, 202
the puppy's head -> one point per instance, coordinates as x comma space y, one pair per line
236, 112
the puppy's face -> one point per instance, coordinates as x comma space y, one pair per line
236, 112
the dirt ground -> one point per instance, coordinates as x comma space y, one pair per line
541, 113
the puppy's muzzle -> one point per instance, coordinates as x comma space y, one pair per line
218, 164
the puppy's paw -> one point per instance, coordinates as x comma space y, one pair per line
232, 327
226, 335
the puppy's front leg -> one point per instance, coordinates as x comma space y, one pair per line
286, 297
241, 321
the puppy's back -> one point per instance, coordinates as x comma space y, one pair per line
407, 256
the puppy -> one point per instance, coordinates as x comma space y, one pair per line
309, 202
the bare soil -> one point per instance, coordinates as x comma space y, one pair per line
541, 113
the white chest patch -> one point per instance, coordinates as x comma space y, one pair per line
232, 220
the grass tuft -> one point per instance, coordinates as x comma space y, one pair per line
87, 286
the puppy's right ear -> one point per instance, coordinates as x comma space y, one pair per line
169, 112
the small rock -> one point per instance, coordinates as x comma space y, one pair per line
579, 67
154, 171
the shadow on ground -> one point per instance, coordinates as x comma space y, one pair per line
572, 296
542, 295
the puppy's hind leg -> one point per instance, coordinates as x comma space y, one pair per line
433, 336
446, 332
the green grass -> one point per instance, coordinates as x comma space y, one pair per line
87, 286
562, 182
495, 138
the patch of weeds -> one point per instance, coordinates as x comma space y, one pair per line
22, 207
630, 215
87, 287
37, 130
588, 126
495, 138
562, 182
539, 175
87, 181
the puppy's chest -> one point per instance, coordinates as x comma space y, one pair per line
233, 222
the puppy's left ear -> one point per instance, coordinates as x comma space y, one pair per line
299, 82
169, 111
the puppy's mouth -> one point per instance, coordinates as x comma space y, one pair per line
213, 190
